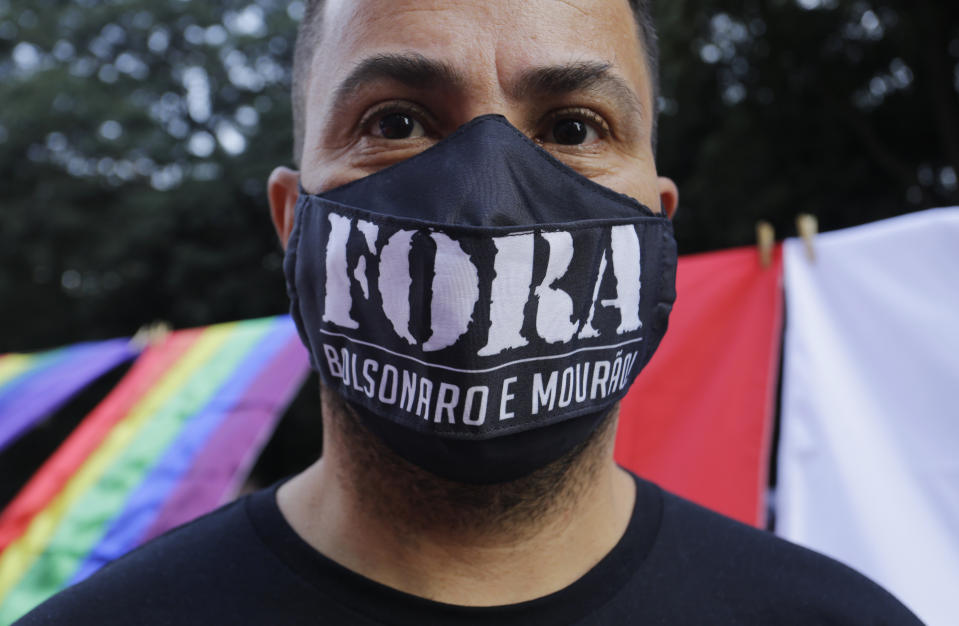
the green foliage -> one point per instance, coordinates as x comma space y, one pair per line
136, 138
847, 110
136, 142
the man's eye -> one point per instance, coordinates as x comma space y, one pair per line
398, 126
570, 131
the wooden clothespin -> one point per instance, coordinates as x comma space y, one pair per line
150, 334
765, 241
808, 226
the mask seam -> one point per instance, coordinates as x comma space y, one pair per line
594, 223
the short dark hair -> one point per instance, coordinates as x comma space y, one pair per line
308, 36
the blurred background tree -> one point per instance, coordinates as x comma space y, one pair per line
845, 109
136, 138
135, 142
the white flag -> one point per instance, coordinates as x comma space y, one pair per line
869, 450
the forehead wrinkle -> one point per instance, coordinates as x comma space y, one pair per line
588, 76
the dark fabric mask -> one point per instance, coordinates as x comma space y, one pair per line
480, 305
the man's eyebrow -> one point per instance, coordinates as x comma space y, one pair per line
411, 69
557, 80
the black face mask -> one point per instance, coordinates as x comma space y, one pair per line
480, 305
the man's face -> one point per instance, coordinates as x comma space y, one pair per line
390, 78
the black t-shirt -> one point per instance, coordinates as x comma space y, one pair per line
677, 563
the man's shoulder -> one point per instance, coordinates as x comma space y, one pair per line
754, 572
203, 569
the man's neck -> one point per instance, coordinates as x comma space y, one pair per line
379, 532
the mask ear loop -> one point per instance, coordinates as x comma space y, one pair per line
289, 270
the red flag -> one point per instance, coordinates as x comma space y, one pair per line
698, 420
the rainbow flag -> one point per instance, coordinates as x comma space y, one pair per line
32, 386
174, 439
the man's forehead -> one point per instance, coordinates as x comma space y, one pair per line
480, 38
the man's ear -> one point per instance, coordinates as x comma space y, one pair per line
668, 196
282, 189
